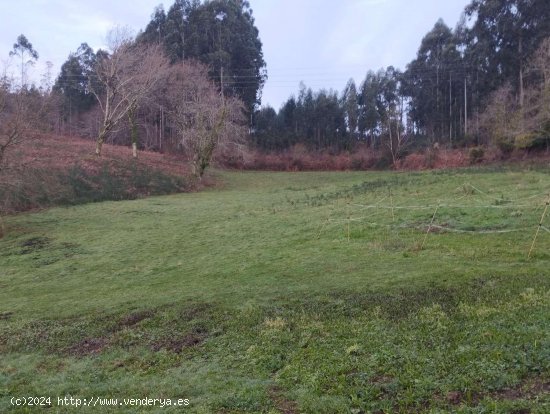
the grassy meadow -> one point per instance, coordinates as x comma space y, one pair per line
376, 292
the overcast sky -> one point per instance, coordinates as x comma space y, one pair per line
320, 42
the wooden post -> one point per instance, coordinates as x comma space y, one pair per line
391, 203
349, 220
429, 227
539, 227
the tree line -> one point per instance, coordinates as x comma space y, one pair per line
176, 78
219, 34
192, 81
446, 95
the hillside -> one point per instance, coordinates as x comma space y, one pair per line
59, 170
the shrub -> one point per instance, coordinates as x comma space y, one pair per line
416, 161
532, 141
384, 162
505, 145
41, 188
431, 157
476, 155
357, 163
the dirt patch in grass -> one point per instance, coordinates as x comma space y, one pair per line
134, 318
88, 346
526, 390
282, 404
436, 228
381, 379
172, 328
395, 306
195, 311
34, 244
71, 249
4, 316
179, 343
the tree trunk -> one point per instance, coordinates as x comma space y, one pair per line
392, 147
101, 139
98, 146
195, 169
133, 130
521, 89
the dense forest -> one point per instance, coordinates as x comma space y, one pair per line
485, 82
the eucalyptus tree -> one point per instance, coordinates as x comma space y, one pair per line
369, 117
76, 74
288, 123
220, 34
24, 50
224, 37
266, 133
431, 82
351, 107
155, 31
22, 110
502, 35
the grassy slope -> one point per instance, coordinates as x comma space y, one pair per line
227, 297
55, 170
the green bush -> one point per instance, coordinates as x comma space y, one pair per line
532, 141
505, 145
126, 182
476, 155
465, 140
38, 188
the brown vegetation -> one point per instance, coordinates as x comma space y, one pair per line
51, 170
61, 152
363, 159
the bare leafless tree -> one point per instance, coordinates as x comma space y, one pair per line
510, 124
537, 108
540, 62
126, 76
397, 140
22, 114
205, 120
4, 94
501, 119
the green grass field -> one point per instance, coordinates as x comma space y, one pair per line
287, 293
